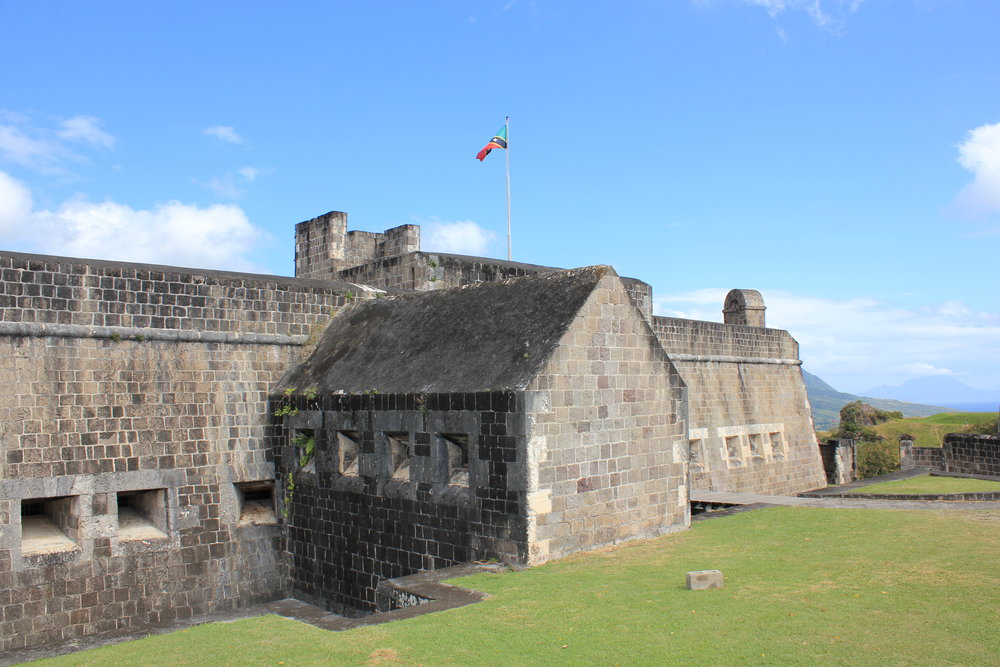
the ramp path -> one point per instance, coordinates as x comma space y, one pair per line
729, 498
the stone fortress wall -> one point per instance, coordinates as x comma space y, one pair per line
136, 450
750, 427
749, 417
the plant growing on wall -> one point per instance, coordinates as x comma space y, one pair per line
304, 441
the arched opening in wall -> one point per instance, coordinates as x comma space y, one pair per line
348, 447
142, 515
400, 451
457, 445
256, 503
49, 525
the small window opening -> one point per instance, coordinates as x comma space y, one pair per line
399, 453
142, 515
348, 446
257, 503
47, 525
777, 446
696, 452
458, 458
304, 442
733, 450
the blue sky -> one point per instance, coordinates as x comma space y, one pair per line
842, 157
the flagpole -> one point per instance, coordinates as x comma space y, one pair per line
507, 153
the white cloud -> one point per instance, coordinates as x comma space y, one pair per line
215, 237
15, 205
224, 133
462, 237
856, 344
85, 129
980, 154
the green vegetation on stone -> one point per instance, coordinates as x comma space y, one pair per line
933, 484
802, 587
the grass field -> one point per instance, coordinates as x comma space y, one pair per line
803, 587
930, 431
932, 484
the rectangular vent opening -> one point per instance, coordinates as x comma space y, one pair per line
697, 454
304, 444
734, 450
257, 503
400, 451
777, 446
348, 448
49, 524
458, 458
142, 515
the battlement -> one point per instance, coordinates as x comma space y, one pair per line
323, 246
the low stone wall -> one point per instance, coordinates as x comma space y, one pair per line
962, 453
839, 461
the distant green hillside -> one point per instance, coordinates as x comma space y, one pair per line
930, 431
826, 403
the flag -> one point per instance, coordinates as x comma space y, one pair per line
498, 141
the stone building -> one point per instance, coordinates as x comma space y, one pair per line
448, 408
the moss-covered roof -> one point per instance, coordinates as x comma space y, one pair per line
476, 338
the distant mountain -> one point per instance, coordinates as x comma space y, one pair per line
826, 403
941, 390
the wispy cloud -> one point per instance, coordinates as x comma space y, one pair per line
87, 130
217, 237
980, 154
827, 14
224, 133
859, 343
249, 174
233, 185
47, 149
462, 237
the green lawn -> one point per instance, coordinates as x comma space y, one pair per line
803, 587
932, 484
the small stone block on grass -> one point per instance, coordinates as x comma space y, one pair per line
699, 580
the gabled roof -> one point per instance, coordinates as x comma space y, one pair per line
476, 338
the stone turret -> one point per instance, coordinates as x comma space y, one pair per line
744, 306
323, 246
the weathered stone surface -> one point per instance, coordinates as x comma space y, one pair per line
481, 338
700, 580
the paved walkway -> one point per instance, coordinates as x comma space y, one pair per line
727, 498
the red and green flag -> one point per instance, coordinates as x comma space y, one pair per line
499, 140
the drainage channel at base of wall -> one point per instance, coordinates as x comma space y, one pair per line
413, 595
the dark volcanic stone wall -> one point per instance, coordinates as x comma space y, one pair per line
348, 531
